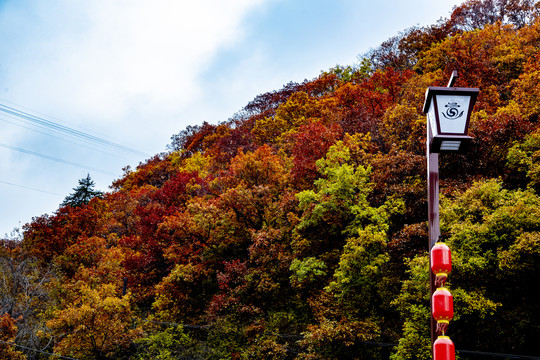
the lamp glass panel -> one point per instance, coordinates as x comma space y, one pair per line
450, 145
453, 111
432, 120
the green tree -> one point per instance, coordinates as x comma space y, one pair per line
171, 343
349, 235
493, 235
82, 194
523, 159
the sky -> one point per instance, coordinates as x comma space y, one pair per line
90, 87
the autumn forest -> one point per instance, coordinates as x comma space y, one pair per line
297, 229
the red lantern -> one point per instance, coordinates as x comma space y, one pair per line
441, 262
442, 308
443, 349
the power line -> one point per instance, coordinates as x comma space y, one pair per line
297, 336
36, 350
42, 122
52, 158
187, 326
63, 139
28, 188
373, 343
506, 356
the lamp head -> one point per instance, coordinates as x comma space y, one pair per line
449, 111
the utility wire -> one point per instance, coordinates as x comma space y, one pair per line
40, 121
43, 156
298, 336
506, 356
36, 350
187, 326
381, 344
28, 188
63, 139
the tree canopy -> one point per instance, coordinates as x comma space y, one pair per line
297, 229
82, 194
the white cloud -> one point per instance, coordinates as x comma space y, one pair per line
116, 58
125, 69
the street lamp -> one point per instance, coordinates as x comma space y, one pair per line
448, 112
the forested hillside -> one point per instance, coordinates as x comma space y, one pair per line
297, 229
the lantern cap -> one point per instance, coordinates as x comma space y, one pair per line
442, 288
444, 337
435, 90
439, 242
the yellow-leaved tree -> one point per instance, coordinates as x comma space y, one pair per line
97, 325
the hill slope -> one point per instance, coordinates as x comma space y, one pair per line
297, 229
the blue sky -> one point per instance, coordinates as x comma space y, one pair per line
135, 72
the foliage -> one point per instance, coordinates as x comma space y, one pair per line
96, 325
24, 294
171, 343
297, 228
82, 194
306, 270
491, 228
523, 162
8, 330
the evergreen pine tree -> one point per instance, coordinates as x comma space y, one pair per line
82, 194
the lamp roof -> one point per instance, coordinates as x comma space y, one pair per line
435, 90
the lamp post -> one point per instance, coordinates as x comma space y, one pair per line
448, 112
